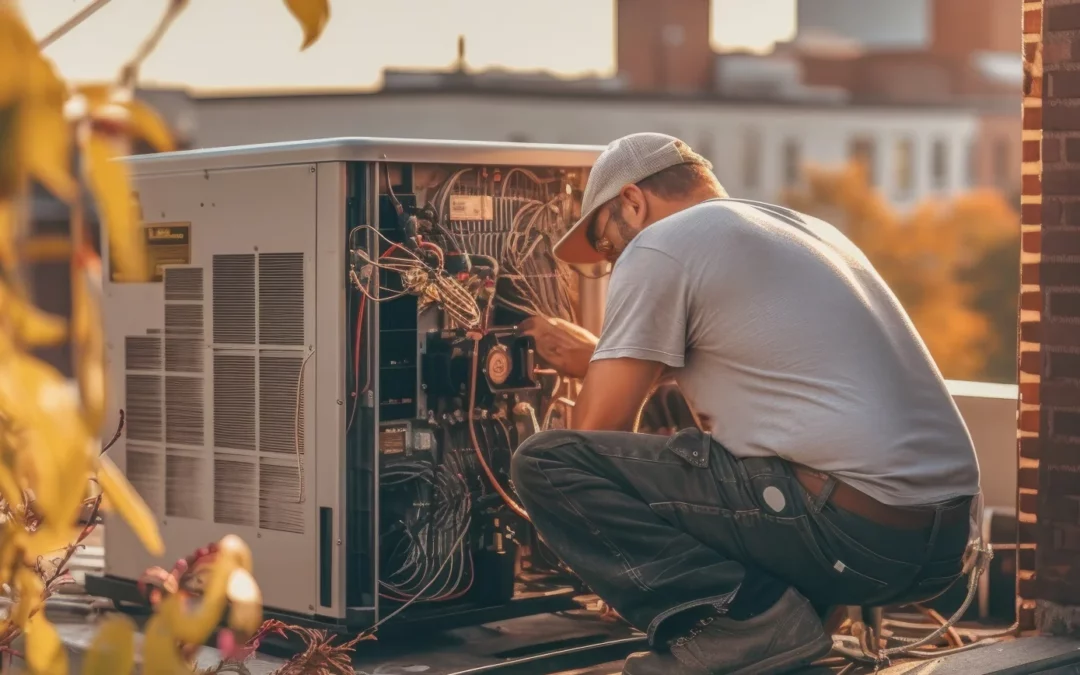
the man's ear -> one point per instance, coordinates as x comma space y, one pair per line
635, 207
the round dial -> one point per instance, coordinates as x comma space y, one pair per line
498, 364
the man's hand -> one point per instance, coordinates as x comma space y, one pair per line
561, 345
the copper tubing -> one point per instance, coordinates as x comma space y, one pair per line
476, 444
950, 632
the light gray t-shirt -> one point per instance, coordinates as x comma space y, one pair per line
780, 331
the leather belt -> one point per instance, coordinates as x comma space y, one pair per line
848, 498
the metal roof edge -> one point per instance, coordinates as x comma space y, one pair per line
361, 149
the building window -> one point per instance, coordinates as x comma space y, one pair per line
863, 151
939, 164
792, 162
1003, 168
751, 160
905, 168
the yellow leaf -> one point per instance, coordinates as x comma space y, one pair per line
45, 653
7, 230
31, 326
16, 49
29, 586
88, 342
111, 187
160, 654
95, 94
113, 650
46, 139
130, 506
245, 603
52, 538
9, 488
312, 15
148, 125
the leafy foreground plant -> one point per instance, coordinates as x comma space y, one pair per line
48, 429
184, 583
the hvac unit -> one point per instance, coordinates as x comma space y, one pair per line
325, 363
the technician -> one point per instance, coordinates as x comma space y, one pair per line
835, 468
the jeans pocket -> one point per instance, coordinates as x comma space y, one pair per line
936, 578
789, 549
852, 573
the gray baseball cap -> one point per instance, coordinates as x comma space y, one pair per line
626, 160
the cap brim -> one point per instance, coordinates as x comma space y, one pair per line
574, 247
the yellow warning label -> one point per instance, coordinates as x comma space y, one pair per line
166, 244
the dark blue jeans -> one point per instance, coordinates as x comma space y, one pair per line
658, 525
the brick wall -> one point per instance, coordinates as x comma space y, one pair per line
1049, 425
664, 45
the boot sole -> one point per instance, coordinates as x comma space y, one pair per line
790, 660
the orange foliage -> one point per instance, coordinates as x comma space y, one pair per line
933, 258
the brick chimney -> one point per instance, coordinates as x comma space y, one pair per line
959, 28
1049, 422
663, 45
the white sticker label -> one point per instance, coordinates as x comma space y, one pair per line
774, 498
471, 207
839, 566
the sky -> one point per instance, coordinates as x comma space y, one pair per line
230, 44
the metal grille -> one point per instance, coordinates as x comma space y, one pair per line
279, 382
234, 299
183, 283
184, 479
278, 493
184, 410
183, 319
234, 490
142, 353
281, 299
143, 407
146, 473
234, 401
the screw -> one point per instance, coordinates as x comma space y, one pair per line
256, 248
339, 402
258, 535
311, 607
339, 542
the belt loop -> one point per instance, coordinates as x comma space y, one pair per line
826, 492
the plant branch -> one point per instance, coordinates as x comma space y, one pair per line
129, 75
66, 27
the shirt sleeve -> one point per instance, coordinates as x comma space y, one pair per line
646, 312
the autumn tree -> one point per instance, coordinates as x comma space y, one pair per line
954, 265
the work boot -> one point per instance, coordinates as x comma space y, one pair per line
786, 637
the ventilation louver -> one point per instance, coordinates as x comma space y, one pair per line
259, 350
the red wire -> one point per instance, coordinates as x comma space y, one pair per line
356, 345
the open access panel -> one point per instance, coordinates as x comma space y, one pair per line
326, 363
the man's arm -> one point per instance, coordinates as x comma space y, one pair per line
613, 392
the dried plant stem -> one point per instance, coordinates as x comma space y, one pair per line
129, 75
66, 27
